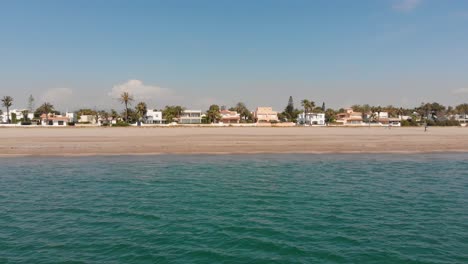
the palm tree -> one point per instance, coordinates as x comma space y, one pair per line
141, 110
243, 111
7, 101
308, 106
127, 99
25, 115
213, 114
46, 108
462, 109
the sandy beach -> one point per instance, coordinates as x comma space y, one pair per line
193, 140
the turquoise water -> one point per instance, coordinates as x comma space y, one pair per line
235, 209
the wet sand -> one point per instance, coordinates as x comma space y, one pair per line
73, 141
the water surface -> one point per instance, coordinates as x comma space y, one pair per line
235, 209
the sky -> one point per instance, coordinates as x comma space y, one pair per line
194, 53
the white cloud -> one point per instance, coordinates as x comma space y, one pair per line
460, 91
57, 95
140, 91
406, 5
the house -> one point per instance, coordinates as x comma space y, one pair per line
190, 117
315, 119
350, 118
229, 117
71, 117
153, 117
87, 119
17, 114
54, 120
265, 115
462, 118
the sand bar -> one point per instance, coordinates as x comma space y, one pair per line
230, 140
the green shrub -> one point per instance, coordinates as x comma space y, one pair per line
407, 123
443, 123
121, 124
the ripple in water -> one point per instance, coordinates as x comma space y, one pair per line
234, 209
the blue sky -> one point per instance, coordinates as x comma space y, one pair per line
195, 53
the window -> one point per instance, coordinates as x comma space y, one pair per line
60, 123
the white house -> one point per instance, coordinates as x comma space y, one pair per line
462, 118
90, 119
315, 119
190, 117
18, 113
153, 117
54, 120
71, 117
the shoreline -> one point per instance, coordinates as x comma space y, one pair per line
85, 155
60, 142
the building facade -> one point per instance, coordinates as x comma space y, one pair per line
54, 120
18, 114
153, 117
229, 117
265, 115
350, 118
190, 117
314, 119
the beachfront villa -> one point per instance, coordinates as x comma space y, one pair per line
313, 119
462, 118
190, 117
54, 120
71, 117
17, 114
153, 117
229, 117
383, 119
350, 118
265, 115
88, 119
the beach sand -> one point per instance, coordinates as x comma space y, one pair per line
223, 140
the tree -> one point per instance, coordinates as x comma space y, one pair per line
132, 115
330, 115
308, 106
430, 110
289, 113
391, 110
104, 115
170, 113
462, 109
289, 110
114, 115
7, 102
25, 115
14, 119
323, 107
46, 108
141, 110
243, 111
213, 115
126, 99
31, 103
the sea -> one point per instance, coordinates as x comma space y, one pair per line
235, 209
